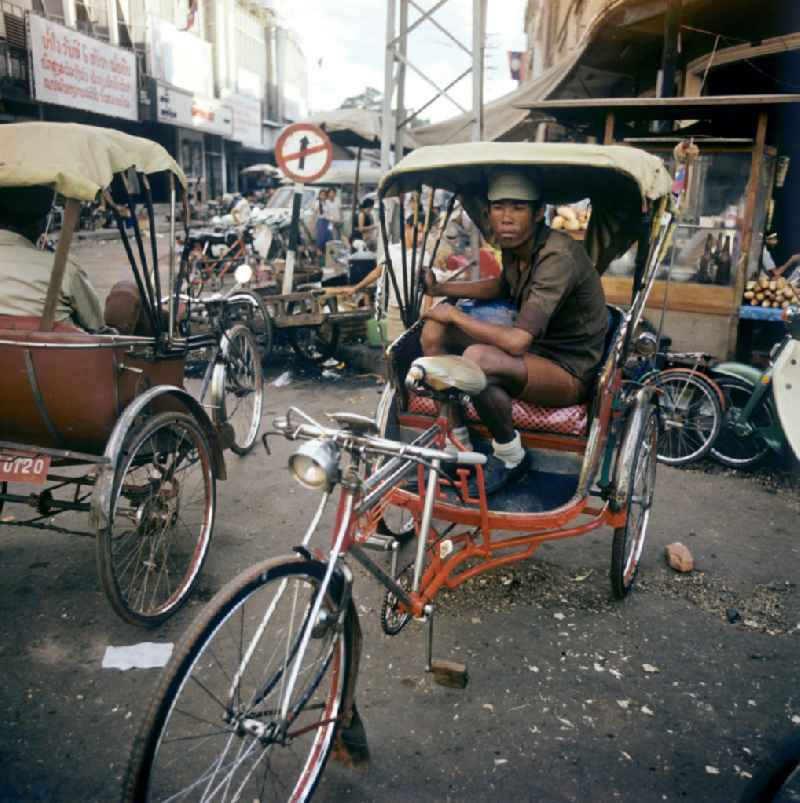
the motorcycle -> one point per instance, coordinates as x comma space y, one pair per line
761, 411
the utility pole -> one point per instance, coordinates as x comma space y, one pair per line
669, 56
396, 118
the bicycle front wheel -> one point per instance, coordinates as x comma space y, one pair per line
731, 448
222, 725
242, 397
691, 413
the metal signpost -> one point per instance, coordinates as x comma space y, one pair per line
304, 153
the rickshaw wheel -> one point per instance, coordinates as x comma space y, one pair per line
313, 343
246, 307
160, 519
628, 543
243, 389
223, 693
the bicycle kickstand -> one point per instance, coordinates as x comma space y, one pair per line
451, 674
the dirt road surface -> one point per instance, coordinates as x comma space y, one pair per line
572, 696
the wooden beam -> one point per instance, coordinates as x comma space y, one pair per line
608, 134
72, 212
751, 196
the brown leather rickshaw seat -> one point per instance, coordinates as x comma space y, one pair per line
21, 323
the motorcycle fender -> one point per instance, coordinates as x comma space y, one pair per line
738, 370
785, 387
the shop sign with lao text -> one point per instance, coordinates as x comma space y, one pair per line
72, 69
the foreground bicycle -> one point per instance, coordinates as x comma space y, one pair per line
263, 684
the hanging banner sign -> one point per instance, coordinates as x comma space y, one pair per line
71, 69
173, 106
208, 114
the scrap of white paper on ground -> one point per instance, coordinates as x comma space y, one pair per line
146, 655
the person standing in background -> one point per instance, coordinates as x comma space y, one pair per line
333, 212
322, 226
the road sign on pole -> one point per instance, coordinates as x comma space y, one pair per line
304, 153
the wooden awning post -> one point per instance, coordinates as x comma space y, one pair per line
72, 212
751, 198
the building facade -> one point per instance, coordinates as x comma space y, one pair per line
209, 80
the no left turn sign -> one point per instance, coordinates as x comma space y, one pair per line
304, 152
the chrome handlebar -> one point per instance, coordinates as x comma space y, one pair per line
312, 430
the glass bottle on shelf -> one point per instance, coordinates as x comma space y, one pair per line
706, 262
723, 275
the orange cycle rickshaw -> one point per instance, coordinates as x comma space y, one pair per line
100, 423
263, 683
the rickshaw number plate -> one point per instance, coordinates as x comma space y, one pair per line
25, 467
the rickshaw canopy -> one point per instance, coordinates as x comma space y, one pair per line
77, 161
617, 179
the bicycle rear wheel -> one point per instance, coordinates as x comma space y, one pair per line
691, 412
216, 729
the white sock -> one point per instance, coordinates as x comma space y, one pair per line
461, 434
511, 453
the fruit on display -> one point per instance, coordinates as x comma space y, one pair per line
766, 292
568, 218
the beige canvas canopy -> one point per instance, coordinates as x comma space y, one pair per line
78, 161
616, 178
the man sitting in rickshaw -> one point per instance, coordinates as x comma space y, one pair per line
25, 270
550, 353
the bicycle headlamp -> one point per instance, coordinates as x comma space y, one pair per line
243, 274
646, 344
315, 465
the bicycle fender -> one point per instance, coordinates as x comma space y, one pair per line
644, 400
101, 495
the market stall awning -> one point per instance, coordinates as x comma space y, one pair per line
354, 128
591, 114
504, 117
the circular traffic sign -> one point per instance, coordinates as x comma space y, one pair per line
304, 152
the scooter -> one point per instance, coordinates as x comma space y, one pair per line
761, 409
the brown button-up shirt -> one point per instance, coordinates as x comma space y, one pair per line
560, 301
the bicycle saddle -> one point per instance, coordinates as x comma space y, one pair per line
446, 372
357, 424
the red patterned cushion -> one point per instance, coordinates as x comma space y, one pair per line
529, 417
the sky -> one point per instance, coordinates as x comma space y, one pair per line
344, 43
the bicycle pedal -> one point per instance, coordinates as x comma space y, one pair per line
450, 674
380, 542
